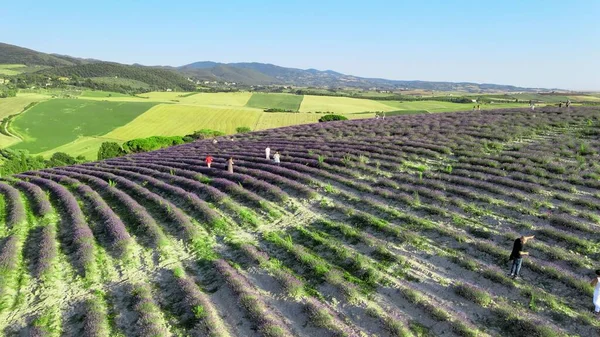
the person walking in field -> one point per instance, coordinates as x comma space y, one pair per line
277, 158
208, 160
532, 106
596, 284
517, 255
268, 153
230, 165
568, 103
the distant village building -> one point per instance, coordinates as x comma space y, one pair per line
169, 90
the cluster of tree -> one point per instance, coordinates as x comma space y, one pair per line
17, 161
8, 90
112, 149
278, 110
329, 118
243, 129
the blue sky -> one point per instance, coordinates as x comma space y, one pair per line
527, 43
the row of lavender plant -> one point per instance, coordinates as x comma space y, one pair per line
76, 234
113, 227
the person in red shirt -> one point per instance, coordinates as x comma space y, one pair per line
208, 160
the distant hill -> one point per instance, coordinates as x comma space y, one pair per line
10, 54
248, 73
263, 73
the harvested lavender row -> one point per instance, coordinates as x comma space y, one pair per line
149, 321
194, 308
268, 322
95, 318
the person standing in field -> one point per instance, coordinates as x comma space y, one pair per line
215, 141
277, 158
596, 284
208, 160
268, 153
478, 107
230, 165
560, 105
568, 103
517, 255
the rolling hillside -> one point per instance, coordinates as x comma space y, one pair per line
395, 227
10, 54
254, 73
248, 73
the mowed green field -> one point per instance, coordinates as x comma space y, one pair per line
60, 121
275, 101
179, 120
341, 105
105, 94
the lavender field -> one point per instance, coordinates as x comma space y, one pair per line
395, 227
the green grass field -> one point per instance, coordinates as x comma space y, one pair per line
179, 120
341, 105
11, 69
60, 121
275, 101
82, 146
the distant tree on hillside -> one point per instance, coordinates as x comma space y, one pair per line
62, 159
110, 150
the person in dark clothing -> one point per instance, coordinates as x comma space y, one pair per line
517, 255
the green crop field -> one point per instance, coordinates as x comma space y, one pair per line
178, 119
270, 120
14, 105
341, 104
275, 101
217, 99
438, 106
59, 121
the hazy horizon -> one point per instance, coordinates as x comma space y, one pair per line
535, 44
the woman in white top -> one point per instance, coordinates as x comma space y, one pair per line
268, 152
596, 284
277, 158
